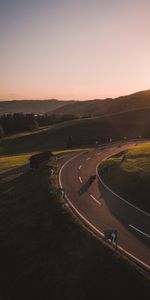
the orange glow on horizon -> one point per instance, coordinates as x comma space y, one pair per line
74, 49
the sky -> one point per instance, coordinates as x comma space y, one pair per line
73, 49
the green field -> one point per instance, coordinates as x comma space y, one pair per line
13, 161
128, 174
8, 162
16, 149
46, 254
84, 132
54, 137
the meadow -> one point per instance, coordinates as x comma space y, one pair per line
128, 174
84, 132
13, 161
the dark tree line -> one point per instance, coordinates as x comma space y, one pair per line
19, 122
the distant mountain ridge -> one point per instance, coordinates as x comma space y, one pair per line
30, 106
135, 101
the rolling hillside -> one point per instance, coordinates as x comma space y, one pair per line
129, 174
84, 132
134, 101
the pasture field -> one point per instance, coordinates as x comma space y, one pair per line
9, 162
13, 161
128, 174
84, 133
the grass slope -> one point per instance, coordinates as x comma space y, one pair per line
9, 162
139, 100
84, 133
128, 174
13, 161
45, 254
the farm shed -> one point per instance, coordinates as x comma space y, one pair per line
41, 158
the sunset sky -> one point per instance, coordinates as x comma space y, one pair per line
73, 49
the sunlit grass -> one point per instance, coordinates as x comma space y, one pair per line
143, 149
71, 150
112, 161
135, 160
10, 162
140, 166
128, 174
14, 161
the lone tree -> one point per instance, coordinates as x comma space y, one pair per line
1, 132
69, 143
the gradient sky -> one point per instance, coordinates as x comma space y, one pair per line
73, 49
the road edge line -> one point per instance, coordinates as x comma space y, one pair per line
128, 254
115, 194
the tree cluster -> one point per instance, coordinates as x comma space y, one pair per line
18, 122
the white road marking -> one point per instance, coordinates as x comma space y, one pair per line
99, 153
88, 158
139, 230
89, 223
80, 179
79, 167
95, 199
62, 167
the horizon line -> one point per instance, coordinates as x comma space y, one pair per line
56, 99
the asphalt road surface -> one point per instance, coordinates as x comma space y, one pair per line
100, 209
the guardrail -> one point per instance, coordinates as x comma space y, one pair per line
122, 141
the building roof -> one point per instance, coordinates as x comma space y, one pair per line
42, 155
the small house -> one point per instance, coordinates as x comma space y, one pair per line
39, 159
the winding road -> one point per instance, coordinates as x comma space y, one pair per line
100, 209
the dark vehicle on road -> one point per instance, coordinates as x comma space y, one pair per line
92, 178
86, 185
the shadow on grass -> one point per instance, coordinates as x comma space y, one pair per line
46, 254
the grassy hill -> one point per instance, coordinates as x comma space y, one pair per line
84, 132
46, 254
13, 161
91, 107
131, 102
139, 100
129, 175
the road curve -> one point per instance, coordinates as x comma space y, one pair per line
100, 209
